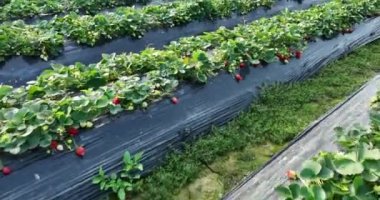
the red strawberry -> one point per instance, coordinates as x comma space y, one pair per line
174, 100
347, 30
298, 54
238, 77
280, 56
73, 131
53, 144
226, 63
242, 65
116, 101
292, 175
80, 151
6, 170
283, 58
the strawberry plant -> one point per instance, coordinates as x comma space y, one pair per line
18, 9
36, 123
125, 182
18, 38
129, 21
353, 173
94, 29
133, 22
231, 46
65, 98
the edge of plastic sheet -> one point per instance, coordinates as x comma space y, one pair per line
164, 126
18, 70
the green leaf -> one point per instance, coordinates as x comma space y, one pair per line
348, 167
28, 131
369, 176
201, 77
45, 140
33, 141
306, 193
4, 90
115, 109
140, 167
319, 193
315, 167
127, 157
113, 176
373, 154
283, 192
35, 91
102, 102
295, 190
307, 174
121, 194
310, 169
372, 165
101, 171
10, 113
362, 150
96, 180
326, 173
15, 150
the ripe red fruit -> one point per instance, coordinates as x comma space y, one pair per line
348, 30
174, 100
298, 54
238, 77
116, 101
53, 144
80, 151
73, 131
283, 58
6, 170
280, 57
292, 175
242, 65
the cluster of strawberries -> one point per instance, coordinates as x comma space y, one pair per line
282, 58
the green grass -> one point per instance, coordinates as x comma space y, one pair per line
274, 119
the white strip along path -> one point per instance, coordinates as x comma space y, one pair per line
319, 136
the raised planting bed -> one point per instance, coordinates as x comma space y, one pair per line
125, 21
163, 126
19, 69
215, 163
76, 96
319, 136
24, 9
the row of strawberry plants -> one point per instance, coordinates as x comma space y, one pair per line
61, 79
19, 9
91, 30
125, 21
44, 123
34, 122
18, 38
353, 173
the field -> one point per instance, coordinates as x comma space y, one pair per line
201, 111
